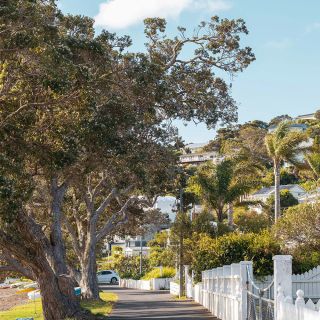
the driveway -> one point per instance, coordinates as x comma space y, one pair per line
137, 304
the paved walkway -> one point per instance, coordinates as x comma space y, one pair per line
138, 304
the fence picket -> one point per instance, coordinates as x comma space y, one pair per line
310, 305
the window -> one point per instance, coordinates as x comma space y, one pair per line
106, 272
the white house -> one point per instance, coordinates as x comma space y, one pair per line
135, 251
195, 155
264, 193
310, 197
198, 158
310, 116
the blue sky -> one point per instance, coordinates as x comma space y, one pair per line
284, 35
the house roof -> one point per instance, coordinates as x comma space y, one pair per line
292, 126
308, 116
196, 145
269, 190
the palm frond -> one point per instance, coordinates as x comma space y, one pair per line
290, 145
269, 140
282, 130
313, 160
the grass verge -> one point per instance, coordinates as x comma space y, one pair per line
183, 298
33, 309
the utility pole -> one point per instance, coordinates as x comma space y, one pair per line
181, 246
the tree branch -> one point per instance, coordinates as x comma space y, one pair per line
14, 265
112, 221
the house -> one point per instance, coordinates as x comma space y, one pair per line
198, 158
135, 251
133, 245
310, 116
310, 197
264, 193
302, 127
194, 155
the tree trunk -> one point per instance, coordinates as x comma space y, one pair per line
230, 215
89, 283
277, 206
58, 298
220, 214
181, 291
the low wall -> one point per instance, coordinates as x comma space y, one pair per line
198, 293
153, 284
174, 289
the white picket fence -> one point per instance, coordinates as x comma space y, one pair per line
308, 282
223, 291
153, 284
299, 310
227, 292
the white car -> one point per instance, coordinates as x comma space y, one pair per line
108, 276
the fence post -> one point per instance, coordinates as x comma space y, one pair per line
300, 305
245, 267
282, 268
235, 290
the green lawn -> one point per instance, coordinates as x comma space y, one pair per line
28, 310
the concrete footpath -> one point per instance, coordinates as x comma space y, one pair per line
137, 304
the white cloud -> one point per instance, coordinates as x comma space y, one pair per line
119, 14
279, 44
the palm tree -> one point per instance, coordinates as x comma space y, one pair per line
217, 186
313, 158
283, 145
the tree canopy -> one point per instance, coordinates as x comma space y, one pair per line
85, 121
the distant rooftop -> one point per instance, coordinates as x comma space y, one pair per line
306, 116
269, 190
302, 126
196, 145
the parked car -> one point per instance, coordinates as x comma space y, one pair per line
108, 276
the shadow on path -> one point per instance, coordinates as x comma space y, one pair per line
139, 304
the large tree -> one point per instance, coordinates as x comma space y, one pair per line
283, 144
73, 103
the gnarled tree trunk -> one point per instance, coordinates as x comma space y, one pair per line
89, 283
58, 298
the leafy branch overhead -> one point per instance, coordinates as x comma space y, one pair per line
216, 46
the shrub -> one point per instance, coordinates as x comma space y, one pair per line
162, 257
250, 221
117, 250
126, 267
233, 248
298, 232
156, 273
